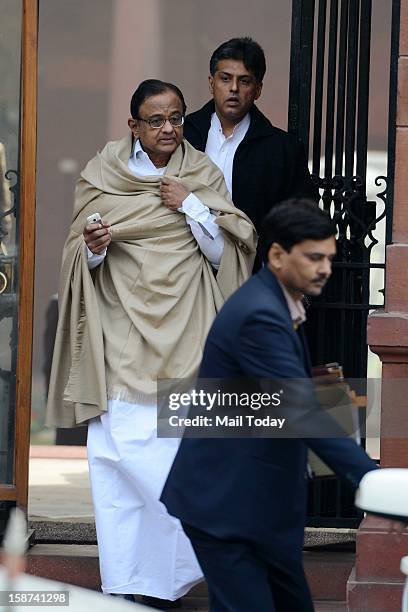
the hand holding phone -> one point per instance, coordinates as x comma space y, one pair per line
96, 238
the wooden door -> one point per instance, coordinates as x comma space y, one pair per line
18, 110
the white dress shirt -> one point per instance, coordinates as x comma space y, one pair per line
221, 149
209, 236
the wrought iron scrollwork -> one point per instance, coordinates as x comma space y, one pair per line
346, 301
383, 195
345, 200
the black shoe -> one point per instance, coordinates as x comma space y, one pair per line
161, 604
128, 597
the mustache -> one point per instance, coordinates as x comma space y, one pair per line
322, 278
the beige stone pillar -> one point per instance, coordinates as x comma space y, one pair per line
136, 54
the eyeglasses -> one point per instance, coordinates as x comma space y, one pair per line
157, 122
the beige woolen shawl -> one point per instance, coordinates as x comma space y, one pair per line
144, 313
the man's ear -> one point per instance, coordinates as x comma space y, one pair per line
275, 256
211, 83
132, 123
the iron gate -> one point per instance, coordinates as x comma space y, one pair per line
330, 65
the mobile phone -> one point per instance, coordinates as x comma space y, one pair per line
94, 218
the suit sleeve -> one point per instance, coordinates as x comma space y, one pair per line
269, 354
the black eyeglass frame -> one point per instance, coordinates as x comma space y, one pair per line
158, 127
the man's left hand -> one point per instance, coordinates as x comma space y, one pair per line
173, 193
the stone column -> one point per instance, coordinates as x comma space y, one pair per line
135, 55
376, 582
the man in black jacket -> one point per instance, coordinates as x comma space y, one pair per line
262, 164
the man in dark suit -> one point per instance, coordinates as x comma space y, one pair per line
242, 502
262, 164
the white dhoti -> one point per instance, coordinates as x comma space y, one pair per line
142, 549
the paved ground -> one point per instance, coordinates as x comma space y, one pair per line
59, 491
59, 485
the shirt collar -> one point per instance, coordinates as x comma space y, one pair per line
140, 162
137, 149
240, 128
296, 308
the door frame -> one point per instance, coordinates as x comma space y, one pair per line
18, 491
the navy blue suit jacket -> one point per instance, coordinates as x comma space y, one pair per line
254, 489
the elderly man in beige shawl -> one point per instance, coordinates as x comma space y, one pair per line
138, 293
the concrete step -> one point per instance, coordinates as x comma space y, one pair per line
81, 530
327, 572
72, 563
196, 604
382, 595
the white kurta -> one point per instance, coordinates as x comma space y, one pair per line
142, 549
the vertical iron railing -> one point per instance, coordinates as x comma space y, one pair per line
330, 55
392, 116
301, 67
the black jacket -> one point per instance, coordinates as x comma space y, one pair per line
269, 164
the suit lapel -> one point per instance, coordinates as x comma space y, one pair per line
299, 335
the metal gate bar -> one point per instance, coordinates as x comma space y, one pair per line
363, 88
352, 59
341, 89
318, 95
330, 51
331, 91
301, 67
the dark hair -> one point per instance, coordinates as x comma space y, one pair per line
244, 49
149, 88
293, 221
